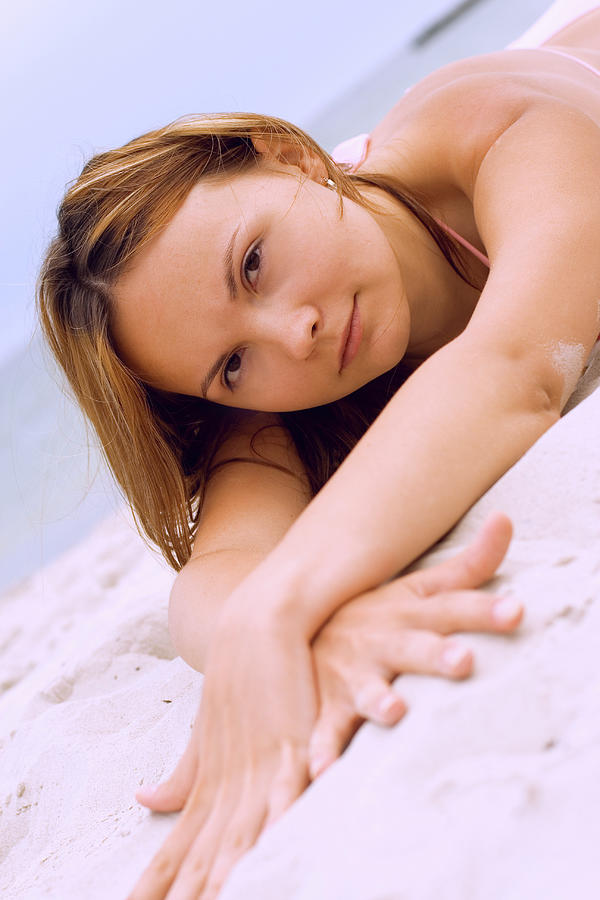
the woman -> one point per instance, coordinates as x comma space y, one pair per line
233, 310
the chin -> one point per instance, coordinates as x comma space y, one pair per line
332, 398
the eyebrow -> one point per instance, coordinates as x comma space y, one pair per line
228, 265
232, 290
212, 372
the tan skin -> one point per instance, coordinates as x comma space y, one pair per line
504, 148
297, 268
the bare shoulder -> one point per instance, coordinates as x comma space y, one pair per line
435, 138
256, 489
478, 106
468, 103
458, 82
438, 138
502, 75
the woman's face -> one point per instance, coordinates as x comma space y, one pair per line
258, 295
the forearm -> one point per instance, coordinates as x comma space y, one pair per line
198, 595
448, 434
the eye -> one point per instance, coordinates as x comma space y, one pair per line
252, 264
232, 370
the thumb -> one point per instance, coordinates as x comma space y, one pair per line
171, 795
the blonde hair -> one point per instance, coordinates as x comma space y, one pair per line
159, 446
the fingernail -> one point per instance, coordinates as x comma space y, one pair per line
506, 610
454, 656
318, 765
147, 792
388, 703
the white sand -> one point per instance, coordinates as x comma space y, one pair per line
489, 789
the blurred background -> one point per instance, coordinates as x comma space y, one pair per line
79, 77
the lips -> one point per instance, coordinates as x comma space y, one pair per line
351, 337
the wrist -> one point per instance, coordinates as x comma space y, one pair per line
291, 594
271, 597
280, 594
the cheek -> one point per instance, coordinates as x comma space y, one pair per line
283, 386
292, 391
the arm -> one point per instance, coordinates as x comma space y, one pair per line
452, 430
259, 707
477, 405
248, 508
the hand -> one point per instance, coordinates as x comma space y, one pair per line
219, 823
401, 627
246, 761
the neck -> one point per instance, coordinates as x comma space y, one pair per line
440, 302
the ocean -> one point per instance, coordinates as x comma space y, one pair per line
54, 487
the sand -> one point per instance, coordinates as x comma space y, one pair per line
488, 789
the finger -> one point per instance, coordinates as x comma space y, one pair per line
171, 795
472, 567
289, 783
450, 611
426, 653
377, 702
232, 828
239, 838
333, 730
161, 872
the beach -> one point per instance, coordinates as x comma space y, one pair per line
487, 789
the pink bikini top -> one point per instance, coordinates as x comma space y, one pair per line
353, 152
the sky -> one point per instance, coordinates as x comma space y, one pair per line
80, 76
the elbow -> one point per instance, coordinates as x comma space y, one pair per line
174, 616
197, 598
567, 364
535, 376
546, 403
537, 404
551, 384
539, 381
184, 626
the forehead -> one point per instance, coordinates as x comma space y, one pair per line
199, 227
179, 275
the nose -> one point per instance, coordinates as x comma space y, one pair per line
296, 331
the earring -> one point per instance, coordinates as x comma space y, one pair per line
330, 183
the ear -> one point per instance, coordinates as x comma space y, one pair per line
285, 153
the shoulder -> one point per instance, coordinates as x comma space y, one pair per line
257, 486
439, 139
447, 123
468, 84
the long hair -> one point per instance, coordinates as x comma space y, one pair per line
158, 445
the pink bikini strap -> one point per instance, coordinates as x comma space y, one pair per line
465, 243
576, 59
352, 153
